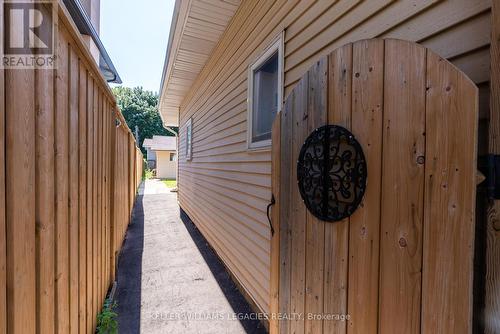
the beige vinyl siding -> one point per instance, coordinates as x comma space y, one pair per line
225, 188
165, 169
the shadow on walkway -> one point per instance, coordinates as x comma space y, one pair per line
228, 287
163, 269
130, 273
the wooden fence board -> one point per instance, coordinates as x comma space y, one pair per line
317, 112
275, 245
285, 206
73, 190
68, 181
337, 235
45, 219
20, 202
298, 218
449, 198
367, 111
402, 187
90, 204
82, 203
98, 150
62, 185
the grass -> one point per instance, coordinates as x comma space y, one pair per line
148, 174
170, 183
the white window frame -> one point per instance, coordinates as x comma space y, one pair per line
275, 46
189, 139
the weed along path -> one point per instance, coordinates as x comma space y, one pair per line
169, 280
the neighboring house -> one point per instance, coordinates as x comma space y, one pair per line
150, 154
162, 155
228, 69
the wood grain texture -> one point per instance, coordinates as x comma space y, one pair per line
113, 193
367, 116
298, 215
275, 221
407, 250
492, 296
337, 235
20, 202
285, 212
95, 223
402, 187
48, 144
82, 199
73, 190
90, 202
62, 184
317, 111
451, 127
45, 190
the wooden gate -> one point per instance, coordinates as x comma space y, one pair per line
403, 262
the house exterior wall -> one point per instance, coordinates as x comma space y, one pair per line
165, 169
225, 188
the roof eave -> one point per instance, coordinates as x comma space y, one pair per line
184, 11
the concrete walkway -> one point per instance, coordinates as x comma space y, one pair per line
169, 279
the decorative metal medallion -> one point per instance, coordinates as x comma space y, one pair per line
331, 173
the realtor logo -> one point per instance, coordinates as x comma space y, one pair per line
28, 34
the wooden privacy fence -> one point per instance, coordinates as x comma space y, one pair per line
403, 261
68, 177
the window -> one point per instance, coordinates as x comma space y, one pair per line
173, 157
189, 139
265, 90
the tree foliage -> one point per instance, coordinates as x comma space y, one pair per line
140, 107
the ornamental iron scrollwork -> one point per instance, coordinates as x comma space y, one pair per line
331, 173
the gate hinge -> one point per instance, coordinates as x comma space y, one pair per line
489, 165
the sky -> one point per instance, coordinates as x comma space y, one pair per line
135, 35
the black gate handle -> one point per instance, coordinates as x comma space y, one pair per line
268, 216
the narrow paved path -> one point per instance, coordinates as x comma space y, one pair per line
169, 279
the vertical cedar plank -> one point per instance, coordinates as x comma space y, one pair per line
98, 148
104, 195
3, 241
62, 185
99, 200
298, 215
492, 298
45, 183
112, 208
95, 182
82, 206
367, 113
284, 200
317, 106
103, 198
275, 220
20, 202
402, 187
451, 133
337, 235
90, 204
73, 189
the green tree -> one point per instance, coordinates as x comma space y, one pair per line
140, 107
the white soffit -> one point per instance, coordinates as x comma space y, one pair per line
197, 26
